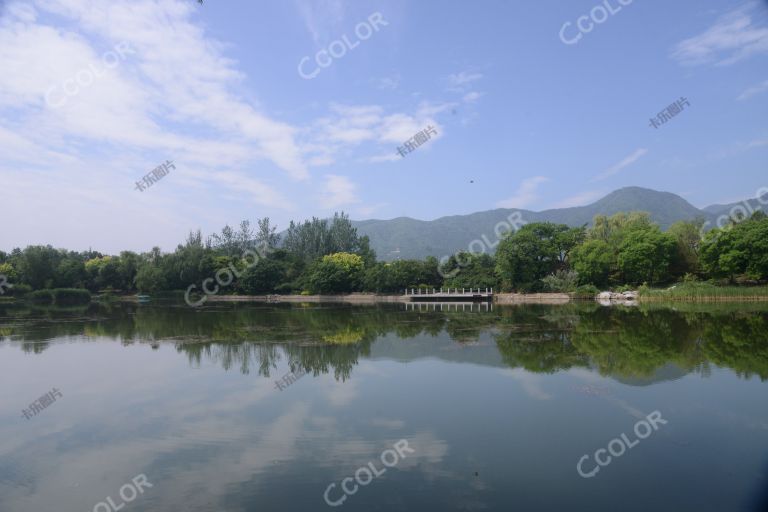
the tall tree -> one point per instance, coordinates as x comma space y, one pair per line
266, 236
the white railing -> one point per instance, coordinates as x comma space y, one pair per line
449, 291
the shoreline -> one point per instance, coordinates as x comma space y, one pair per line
373, 298
616, 299
604, 298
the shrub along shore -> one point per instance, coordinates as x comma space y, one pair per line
327, 257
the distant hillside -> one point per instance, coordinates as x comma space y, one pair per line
407, 238
724, 209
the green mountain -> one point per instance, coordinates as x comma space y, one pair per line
745, 207
407, 238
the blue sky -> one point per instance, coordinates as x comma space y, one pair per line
95, 94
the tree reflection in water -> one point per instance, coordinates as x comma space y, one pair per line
625, 343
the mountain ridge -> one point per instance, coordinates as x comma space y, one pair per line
407, 238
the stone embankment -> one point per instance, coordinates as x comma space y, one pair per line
612, 298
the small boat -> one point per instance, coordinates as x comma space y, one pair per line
143, 298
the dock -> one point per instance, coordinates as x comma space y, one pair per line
449, 306
465, 295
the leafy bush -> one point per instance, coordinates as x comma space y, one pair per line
286, 288
18, 290
41, 296
561, 281
588, 291
690, 278
340, 272
71, 296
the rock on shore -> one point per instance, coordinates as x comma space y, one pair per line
625, 298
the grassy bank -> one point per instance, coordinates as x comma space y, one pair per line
59, 296
705, 292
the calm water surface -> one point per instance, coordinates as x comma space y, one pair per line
498, 407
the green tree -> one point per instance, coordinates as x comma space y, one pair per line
534, 251
71, 274
645, 255
592, 260
740, 248
337, 273
36, 266
264, 277
467, 270
687, 235
267, 238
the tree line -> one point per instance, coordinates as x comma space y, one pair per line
329, 256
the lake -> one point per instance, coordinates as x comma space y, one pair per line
308, 407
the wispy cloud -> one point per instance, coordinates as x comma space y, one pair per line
754, 90
530, 381
370, 209
526, 194
626, 162
388, 83
338, 191
146, 101
348, 126
735, 36
472, 97
462, 78
322, 18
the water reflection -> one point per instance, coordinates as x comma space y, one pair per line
498, 405
634, 345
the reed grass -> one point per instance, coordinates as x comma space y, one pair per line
705, 292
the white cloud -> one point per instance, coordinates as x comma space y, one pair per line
734, 37
754, 90
530, 381
133, 105
77, 157
348, 126
626, 162
338, 191
367, 211
389, 82
322, 18
472, 97
525, 195
256, 190
463, 78
386, 157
